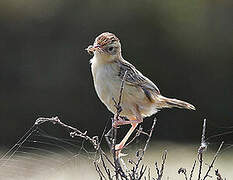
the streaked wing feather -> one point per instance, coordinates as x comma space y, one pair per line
135, 78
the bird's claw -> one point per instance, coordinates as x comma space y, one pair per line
117, 123
118, 149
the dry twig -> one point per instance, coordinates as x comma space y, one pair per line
119, 109
140, 153
160, 171
218, 175
212, 163
201, 149
191, 173
183, 171
73, 131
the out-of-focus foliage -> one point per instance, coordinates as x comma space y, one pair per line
185, 47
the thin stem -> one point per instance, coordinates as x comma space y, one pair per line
212, 163
191, 173
119, 109
201, 149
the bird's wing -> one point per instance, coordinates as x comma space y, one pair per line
135, 78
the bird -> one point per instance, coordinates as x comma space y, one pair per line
140, 97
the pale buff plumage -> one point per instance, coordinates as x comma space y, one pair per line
107, 84
140, 98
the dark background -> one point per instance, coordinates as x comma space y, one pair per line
184, 47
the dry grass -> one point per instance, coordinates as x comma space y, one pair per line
81, 167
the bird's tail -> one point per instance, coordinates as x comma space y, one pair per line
170, 103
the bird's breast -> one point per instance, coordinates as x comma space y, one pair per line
106, 84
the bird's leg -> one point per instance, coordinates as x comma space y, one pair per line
120, 146
118, 121
123, 141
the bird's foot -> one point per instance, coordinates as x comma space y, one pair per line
118, 149
120, 121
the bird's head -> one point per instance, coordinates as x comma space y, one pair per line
106, 45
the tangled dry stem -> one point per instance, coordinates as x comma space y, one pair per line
110, 170
201, 150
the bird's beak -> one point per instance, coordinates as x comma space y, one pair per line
92, 49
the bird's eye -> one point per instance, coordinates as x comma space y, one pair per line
110, 48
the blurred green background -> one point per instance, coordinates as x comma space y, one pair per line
184, 47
